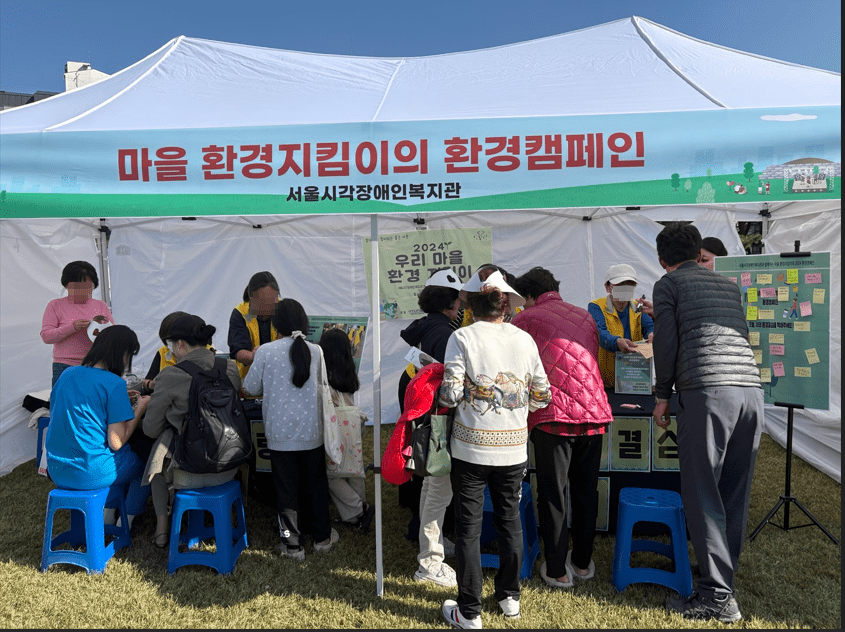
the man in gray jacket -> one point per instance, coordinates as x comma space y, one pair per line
701, 348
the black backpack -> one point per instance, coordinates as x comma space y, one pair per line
216, 435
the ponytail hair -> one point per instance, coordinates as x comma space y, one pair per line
487, 305
192, 329
289, 317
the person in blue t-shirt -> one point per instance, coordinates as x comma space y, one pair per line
92, 419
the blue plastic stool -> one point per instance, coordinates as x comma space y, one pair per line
86, 528
530, 538
651, 505
43, 422
217, 500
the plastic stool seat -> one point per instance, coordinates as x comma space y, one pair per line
218, 501
86, 528
530, 538
651, 505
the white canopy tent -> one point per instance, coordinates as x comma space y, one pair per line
158, 265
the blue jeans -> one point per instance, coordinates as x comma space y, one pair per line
58, 369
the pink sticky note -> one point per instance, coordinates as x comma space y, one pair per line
813, 277
777, 369
768, 292
776, 350
746, 279
806, 308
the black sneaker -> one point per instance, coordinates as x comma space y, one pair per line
363, 523
724, 609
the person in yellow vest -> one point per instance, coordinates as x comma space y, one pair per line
250, 325
619, 321
164, 357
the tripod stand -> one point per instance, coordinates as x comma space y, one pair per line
787, 498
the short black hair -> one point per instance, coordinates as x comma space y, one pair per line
258, 281
714, 245
340, 366
678, 242
167, 323
434, 298
535, 282
111, 346
288, 317
77, 272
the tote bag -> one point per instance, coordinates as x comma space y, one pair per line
430, 436
350, 421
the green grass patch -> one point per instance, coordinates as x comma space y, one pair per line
786, 579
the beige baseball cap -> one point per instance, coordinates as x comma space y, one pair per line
619, 273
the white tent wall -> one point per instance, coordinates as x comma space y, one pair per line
817, 434
202, 266
32, 255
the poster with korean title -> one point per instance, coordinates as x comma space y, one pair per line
407, 260
787, 306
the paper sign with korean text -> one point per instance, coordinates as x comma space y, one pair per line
664, 448
630, 443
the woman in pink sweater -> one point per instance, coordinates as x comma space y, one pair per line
65, 322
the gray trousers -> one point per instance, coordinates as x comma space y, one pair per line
718, 437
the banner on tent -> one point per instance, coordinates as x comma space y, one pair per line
672, 158
407, 260
787, 306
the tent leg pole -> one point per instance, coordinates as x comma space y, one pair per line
105, 276
376, 319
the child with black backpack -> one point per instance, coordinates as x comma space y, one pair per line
290, 375
180, 459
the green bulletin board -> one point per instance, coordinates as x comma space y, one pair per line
787, 306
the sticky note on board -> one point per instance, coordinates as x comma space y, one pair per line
792, 276
777, 369
813, 277
758, 356
765, 314
768, 292
803, 371
812, 356
776, 339
754, 338
806, 308
783, 294
776, 349
752, 295
745, 278
764, 279
751, 313
818, 295
801, 325
765, 375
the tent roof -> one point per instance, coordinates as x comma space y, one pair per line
627, 66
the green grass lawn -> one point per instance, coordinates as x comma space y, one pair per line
786, 579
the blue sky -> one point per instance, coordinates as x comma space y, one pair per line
38, 37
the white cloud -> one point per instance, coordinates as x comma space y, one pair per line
788, 117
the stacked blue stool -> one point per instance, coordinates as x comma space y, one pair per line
651, 505
218, 501
86, 528
530, 539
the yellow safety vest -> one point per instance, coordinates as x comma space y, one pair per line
607, 359
254, 335
167, 358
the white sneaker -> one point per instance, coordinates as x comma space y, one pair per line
453, 615
574, 574
551, 581
445, 575
510, 607
294, 554
327, 545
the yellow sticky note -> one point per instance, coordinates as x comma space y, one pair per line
765, 375
766, 314
752, 295
775, 339
812, 356
754, 338
802, 325
803, 371
758, 356
818, 296
764, 279
751, 313
783, 294
792, 275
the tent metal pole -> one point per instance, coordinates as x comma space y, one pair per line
105, 277
376, 316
